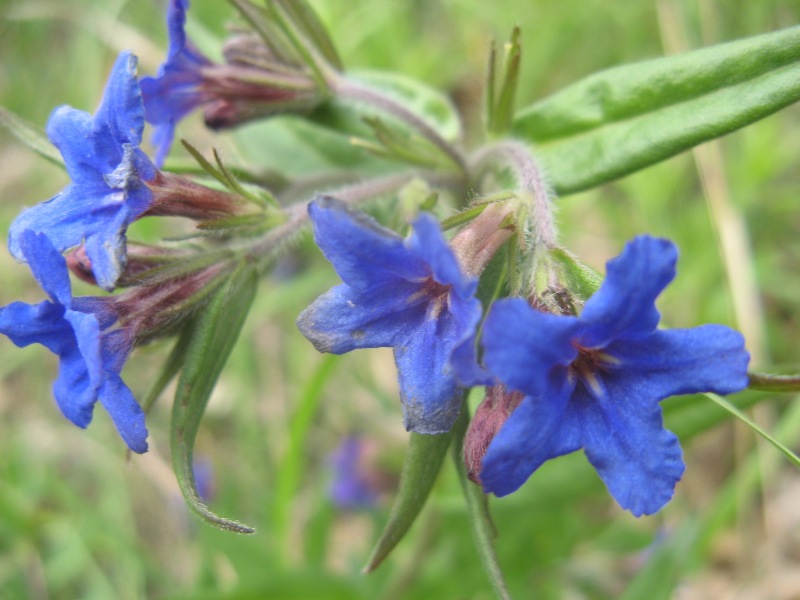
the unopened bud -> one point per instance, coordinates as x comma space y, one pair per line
477, 243
492, 413
176, 196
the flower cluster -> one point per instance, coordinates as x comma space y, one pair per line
561, 382
564, 369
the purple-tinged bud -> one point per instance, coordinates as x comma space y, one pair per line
492, 413
154, 310
141, 259
236, 94
176, 196
476, 244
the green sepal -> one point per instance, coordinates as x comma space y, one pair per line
214, 332
581, 280
626, 118
423, 461
30, 135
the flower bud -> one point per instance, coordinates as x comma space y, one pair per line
176, 196
497, 405
476, 244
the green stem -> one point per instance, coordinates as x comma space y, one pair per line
482, 527
774, 383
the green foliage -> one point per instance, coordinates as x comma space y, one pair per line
623, 119
211, 338
76, 521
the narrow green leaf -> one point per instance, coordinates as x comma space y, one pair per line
205, 164
627, 118
423, 461
30, 135
305, 17
795, 460
482, 527
214, 333
774, 383
267, 199
171, 367
293, 466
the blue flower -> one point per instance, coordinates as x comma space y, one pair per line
406, 294
353, 486
108, 171
595, 381
176, 90
75, 329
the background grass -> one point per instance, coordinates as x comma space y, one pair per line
77, 520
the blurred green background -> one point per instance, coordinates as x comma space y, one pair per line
78, 520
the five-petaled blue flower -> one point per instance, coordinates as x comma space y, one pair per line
406, 294
176, 90
595, 381
108, 172
76, 329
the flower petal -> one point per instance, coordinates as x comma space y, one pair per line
535, 432
73, 389
709, 358
427, 242
121, 113
428, 390
625, 440
522, 346
624, 306
363, 253
126, 413
47, 265
343, 319
42, 323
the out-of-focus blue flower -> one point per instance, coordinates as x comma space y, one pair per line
351, 486
406, 294
108, 172
77, 330
175, 91
595, 381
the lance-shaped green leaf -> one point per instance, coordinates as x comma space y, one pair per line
30, 135
214, 333
423, 461
626, 118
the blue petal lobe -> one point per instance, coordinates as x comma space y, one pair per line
428, 390
624, 306
126, 413
709, 358
73, 389
121, 111
362, 252
47, 265
536, 431
522, 346
624, 438
342, 319
427, 242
